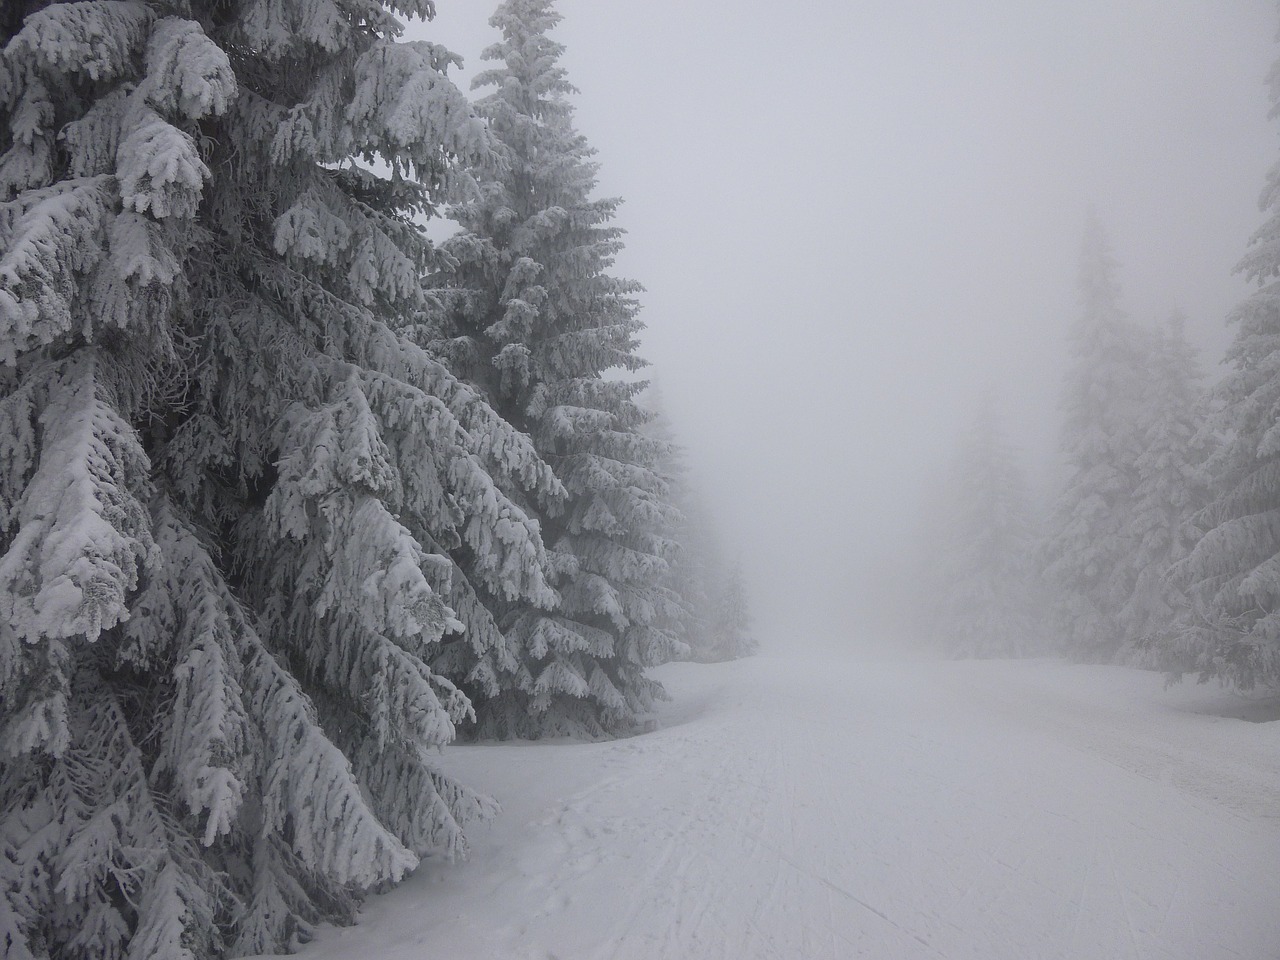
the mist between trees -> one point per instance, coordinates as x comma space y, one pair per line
291, 497
1161, 548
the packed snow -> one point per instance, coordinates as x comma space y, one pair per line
985, 809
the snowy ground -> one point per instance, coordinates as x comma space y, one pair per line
995, 811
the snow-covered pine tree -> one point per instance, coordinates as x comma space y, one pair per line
227, 476
729, 636
535, 321
1089, 550
988, 581
1172, 488
698, 570
1234, 570
685, 575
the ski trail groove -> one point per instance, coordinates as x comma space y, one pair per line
801, 869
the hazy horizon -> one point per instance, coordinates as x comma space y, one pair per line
851, 219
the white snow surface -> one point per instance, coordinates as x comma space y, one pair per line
835, 809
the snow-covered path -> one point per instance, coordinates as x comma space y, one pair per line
994, 811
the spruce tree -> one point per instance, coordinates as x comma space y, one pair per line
698, 572
1234, 570
228, 475
534, 319
1089, 550
685, 576
988, 606
1172, 488
728, 633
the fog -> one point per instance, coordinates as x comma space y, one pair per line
852, 218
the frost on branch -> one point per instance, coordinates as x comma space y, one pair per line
79, 539
112, 875
364, 615
77, 104
309, 231
28, 163
92, 140
159, 169
308, 789
93, 38
278, 29
346, 556
139, 282
429, 810
507, 453
505, 540
49, 239
184, 618
241, 746
405, 110
82, 535
187, 74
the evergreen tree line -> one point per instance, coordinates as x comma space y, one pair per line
1163, 547
715, 614
291, 497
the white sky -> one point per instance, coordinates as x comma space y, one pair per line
853, 216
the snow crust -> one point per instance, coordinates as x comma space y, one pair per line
987, 810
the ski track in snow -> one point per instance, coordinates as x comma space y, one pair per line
913, 811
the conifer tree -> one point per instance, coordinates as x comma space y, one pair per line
698, 573
1089, 550
535, 321
728, 634
228, 475
988, 580
1172, 488
685, 563
695, 569
1234, 570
